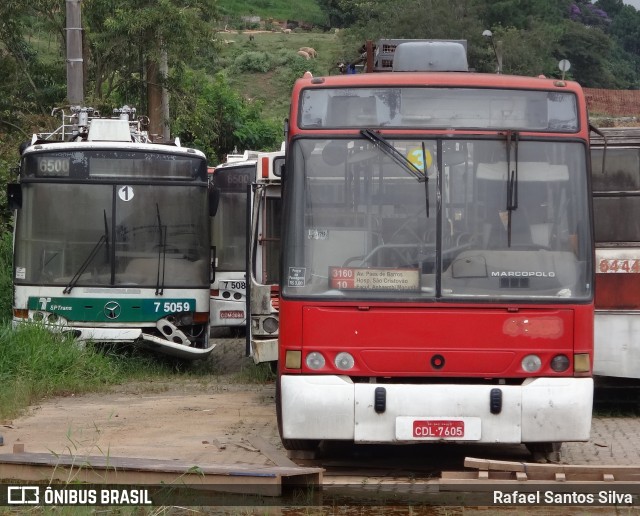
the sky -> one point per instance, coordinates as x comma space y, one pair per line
634, 3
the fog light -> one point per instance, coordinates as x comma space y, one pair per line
315, 360
52, 318
581, 363
270, 325
293, 359
560, 363
344, 361
38, 316
531, 363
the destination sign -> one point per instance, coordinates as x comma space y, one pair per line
353, 278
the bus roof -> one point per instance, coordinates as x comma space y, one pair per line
445, 79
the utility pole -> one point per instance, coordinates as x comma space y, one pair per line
158, 96
75, 79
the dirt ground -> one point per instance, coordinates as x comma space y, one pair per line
208, 420
214, 420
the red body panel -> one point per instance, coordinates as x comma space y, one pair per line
618, 291
473, 340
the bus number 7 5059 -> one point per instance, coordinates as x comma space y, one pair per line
171, 307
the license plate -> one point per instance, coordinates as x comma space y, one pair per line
438, 428
231, 314
441, 429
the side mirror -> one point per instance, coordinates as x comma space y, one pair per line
14, 196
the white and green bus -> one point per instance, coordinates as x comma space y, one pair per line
112, 236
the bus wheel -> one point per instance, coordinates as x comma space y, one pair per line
292, 444
544, 452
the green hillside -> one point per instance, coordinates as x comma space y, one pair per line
298, 10
265, 67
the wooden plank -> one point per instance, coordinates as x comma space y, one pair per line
561, 477
532, 467
270, 451
232, 478
521, 476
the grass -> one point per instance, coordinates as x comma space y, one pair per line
36, 364
297, 10
273, 87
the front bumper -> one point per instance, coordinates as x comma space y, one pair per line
333, 407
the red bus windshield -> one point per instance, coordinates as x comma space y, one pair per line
438, 218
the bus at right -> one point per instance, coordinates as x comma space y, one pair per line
616, 204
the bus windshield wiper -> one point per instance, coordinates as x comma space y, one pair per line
398, 157
106, 236
512, 180
380, 142
84, 265
162, 254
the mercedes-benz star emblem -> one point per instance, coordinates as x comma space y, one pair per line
112, 310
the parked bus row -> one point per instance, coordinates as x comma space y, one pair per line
421, 267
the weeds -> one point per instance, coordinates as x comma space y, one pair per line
35, 364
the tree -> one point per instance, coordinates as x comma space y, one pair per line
126, 39
211, 116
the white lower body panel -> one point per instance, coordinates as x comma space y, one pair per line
264, 350
333, 407
617, 344
225, 313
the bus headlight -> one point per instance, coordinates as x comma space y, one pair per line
344, 361
38, 316
315, 360
53, 318
560, 363
531, 363
270, 325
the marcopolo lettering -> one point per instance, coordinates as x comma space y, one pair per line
523, 274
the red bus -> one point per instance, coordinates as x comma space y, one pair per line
437, 261
616, 206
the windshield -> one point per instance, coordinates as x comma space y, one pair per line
616, 194
533, 110
229, 224
502, 218
110, 235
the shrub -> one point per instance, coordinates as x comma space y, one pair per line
6, 281
252, 61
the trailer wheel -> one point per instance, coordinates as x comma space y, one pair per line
291, 444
